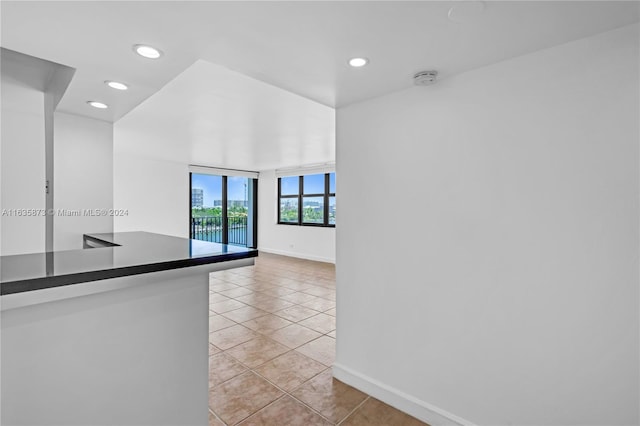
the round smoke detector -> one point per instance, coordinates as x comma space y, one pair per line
425, 78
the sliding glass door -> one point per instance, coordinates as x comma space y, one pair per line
223, 209
237, 209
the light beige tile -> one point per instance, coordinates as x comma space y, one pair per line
290, 370
323, 292
213, 420
266, 324
323, 350
273, 305
213, 350
294, 335
226, 306
251, 299
222, 367
377, 413
326, 282
330, 397
286, 281
277, 291
244, 314
222, 286
260, 287
218, 322
286, 411
231, 336
220, 276
296, 313
331, 312
217, 297
236, 292
297, 285
214, 278
320, 304
240, 397
298, 297
257, 351
321, 323
241, 280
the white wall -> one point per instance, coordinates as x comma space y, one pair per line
307, 242
23, 167
154, 192
83, 178
511, 297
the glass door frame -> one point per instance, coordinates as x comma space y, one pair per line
252, 201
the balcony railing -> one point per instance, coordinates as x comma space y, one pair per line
209, 228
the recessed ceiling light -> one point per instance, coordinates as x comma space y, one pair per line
147, 51
116, 85
97, 104
358, 62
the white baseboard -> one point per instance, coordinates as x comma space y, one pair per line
298, 255
421, 410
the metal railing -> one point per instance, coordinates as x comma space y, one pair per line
209, 228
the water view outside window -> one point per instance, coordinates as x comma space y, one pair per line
208, 211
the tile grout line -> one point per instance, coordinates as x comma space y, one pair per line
266, 336
268, 361
272, 313
248, 368
286, 393
260, 409
217, 417
354, 410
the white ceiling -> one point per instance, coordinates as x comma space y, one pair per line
298, 46
211, 116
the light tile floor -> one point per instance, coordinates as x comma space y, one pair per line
271, 346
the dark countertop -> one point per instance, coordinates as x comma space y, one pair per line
128, 253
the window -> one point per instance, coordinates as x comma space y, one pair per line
307, 200
289, 197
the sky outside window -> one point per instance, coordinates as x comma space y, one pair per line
237, 188
211, 186
289, 185
313, 184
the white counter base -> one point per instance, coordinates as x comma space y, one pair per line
132, 352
